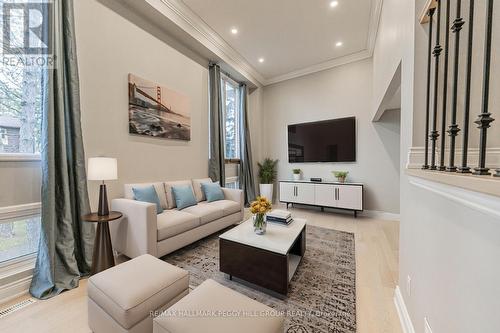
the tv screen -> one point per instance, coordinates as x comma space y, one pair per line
323, 141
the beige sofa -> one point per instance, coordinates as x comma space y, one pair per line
143, 231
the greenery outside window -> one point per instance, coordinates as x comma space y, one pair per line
232, 117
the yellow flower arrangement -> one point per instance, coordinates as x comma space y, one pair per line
260, 206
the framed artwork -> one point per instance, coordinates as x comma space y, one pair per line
157, 111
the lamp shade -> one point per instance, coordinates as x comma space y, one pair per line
102, 168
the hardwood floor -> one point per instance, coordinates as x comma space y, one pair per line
376, 277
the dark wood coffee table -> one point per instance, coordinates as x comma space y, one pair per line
102, 257
268, 261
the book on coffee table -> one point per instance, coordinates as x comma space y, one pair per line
279, 216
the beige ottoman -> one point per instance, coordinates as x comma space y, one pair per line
125, 298
213, 308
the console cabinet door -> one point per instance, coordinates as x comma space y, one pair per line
287, 192
350, 197
325, 195
305, 193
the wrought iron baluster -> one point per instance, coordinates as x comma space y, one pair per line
445, 88
464, 168
437, 52
427, 105
485, 118
453, 129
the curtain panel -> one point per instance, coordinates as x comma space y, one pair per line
66, 242
247, 181
216, 164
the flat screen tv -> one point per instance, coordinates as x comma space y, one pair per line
323, 141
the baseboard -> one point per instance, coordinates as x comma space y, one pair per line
404, 317
377, 214
15, 289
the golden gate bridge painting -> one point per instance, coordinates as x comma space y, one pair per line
157, 111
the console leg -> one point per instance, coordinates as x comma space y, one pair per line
355, 214
322, 209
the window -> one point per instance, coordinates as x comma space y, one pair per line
232, 116
19, 237
20, 90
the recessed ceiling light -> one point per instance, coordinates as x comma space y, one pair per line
338, 44
261, 60
334, 4
234, 31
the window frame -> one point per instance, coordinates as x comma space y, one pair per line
225, 79
13, 212
16, 273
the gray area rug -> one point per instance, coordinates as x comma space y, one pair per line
322, 295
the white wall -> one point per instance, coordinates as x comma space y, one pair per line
339, 92
110, 47
447, 248
388, 50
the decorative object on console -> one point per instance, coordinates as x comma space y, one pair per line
157, 111
267, 176
259, 208
340, 175
316, 179
297, 174
102, 168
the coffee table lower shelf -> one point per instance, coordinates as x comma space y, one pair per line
269, 270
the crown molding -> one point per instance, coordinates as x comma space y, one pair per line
179, 13
321, 66
191, 23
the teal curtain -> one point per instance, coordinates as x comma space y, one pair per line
216, 163
247, 181
65, 249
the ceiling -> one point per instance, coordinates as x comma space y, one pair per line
294, 37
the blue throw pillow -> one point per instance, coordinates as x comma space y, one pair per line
148, 194
183, 196
213, 191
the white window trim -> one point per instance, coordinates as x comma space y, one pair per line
22, 267
224, 79
19, 157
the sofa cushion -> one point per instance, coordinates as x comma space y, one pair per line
129, 291
205, 212
148, 194
228, 207
247, 315
183, 196
173, 222
198, 192
213, 191
168, 191
159, 187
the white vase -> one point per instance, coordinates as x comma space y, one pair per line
297, 176
266, 190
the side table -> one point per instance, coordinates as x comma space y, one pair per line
102, 257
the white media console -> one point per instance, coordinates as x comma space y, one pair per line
325, 194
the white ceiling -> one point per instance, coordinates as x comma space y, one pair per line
295, 37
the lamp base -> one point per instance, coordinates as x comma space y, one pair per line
103, 208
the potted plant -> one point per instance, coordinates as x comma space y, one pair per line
267, 176
259, 208
340, 175
296, 174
